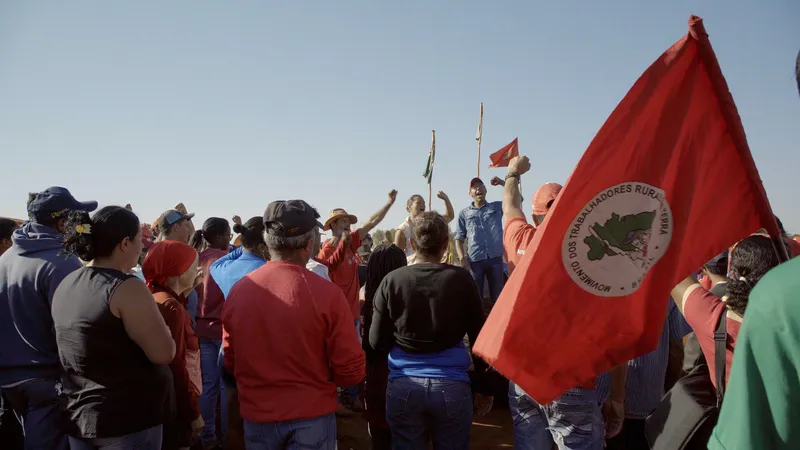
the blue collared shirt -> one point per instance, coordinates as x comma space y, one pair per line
483, 230
646, 374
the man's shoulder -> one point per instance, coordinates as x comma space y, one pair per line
776, 292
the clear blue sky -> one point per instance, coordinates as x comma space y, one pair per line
227, 106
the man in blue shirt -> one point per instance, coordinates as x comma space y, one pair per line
481, 225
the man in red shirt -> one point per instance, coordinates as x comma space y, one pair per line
340, 254
289, 340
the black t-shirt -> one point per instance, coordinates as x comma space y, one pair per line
427, 308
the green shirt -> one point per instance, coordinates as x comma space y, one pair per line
761, 408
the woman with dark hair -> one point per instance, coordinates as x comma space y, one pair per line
253, 254
750, 260
226, 271
113, 344
171, 272
213, 242
384, 259
421, 314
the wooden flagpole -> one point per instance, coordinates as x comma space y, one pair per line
479, 138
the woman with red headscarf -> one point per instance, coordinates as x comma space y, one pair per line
170, 270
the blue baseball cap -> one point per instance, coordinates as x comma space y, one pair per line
170, 217
54, 203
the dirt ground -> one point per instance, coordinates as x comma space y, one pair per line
491, 432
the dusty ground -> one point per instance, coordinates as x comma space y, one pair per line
491, 432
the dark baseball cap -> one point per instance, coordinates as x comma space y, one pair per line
290, 218
171, 216
475, 181
56, 202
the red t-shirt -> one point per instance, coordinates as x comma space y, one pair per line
342, 265
517, 234
703, 310
289, 341
209, 298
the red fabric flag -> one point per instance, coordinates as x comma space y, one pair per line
501, 157
667, 183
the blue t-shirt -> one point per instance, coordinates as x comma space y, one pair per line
232, 267
450, 364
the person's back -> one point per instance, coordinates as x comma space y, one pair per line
287, 340
761, 408
420, 316
30, 272
430, 305
111, 387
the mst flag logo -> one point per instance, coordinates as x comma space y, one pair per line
617, 237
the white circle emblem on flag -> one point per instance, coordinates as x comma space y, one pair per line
616, 238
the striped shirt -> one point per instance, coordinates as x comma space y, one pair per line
646, 374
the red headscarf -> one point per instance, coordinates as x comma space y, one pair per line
166, 259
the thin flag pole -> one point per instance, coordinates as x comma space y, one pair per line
479, 138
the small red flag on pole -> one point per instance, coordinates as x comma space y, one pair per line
502, 157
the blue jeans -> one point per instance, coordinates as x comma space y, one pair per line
419, 408
317, 433
35, 403
149, 439
491, 269
573, 421
210, 362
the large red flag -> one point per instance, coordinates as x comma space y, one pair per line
667, 183
501, 157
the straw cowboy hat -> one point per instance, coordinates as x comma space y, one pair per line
338, 213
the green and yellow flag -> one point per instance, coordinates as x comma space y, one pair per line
431, 158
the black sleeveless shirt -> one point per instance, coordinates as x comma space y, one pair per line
110, 387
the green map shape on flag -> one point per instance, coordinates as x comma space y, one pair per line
614, 233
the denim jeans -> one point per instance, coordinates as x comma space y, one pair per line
149, 439
318, 433
35, 403
573, 421
491, 269
419, 408
210, 362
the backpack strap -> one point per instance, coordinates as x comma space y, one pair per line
720, 339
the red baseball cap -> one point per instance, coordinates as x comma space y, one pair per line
544, 197
475, 180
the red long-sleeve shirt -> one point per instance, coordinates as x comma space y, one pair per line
342, 265
289, 341
187, 356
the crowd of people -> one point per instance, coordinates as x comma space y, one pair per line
103, 346
117, 334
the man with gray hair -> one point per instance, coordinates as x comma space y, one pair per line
289, 339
